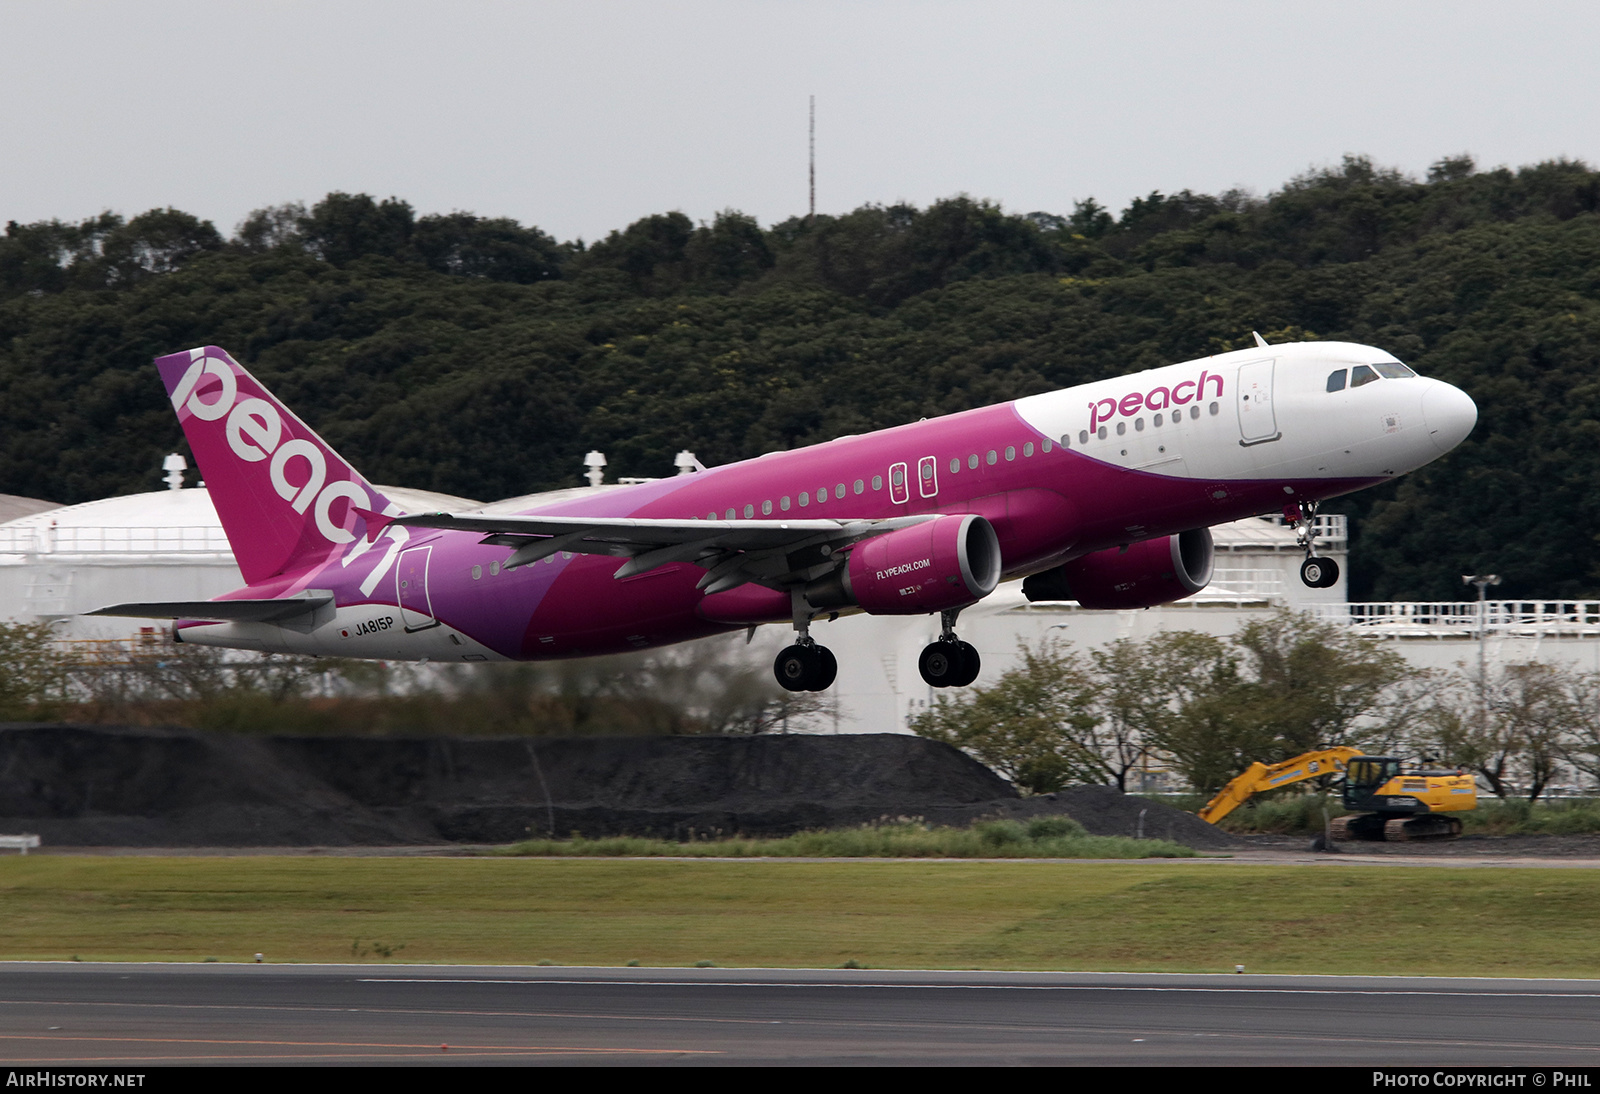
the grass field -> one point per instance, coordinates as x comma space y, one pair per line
1041, 837
1170, 916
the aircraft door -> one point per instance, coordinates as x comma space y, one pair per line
1257, 420
928, 476
411, 589
899, 488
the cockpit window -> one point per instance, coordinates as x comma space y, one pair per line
1361, 374
1336, 380
1392, 370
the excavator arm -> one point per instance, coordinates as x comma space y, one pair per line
1259, 776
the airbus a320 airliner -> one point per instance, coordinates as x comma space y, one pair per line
1102, 494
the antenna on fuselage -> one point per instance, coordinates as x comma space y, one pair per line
1260, 341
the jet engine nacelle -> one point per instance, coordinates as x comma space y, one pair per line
948, 562
1141, 575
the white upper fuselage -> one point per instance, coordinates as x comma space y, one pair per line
1274, 418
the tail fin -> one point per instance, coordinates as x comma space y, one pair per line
286, 499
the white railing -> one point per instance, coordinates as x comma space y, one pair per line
1246, 580
75, 540
1464, 617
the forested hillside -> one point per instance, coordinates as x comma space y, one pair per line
482, 357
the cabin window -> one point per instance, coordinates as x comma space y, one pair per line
861, 487
730, 515
1361, 375
477, 572
1066, 442
877, 482
993, 457
1044, 445
711, 516
839, 491
898, 476
1393, 370
1156, 421
1083, 436
1194, 412
972, 461
955, 465
1122, 427
749, 511
766, 508
805, 500
1336, 379
1101, 433
494, 568
1138, 425
1011, 451
783, 503
822, 495
1027, 449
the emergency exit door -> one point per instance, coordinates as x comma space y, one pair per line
411, 589
1258, 423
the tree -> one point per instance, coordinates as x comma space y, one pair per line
32, 671
1515, 727
1036, 725
1310, 685
1279, 687
1145, 688
343, 227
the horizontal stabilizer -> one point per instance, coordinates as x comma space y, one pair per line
225, 611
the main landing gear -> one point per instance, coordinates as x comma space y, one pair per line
949, 662
1317, 573
805, 666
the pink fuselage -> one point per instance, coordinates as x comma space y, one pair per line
1046, 508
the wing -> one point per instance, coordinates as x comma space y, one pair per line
775, 553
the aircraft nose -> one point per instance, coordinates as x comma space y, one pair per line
1450, 414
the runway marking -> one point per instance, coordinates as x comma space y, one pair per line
853, 1023
35, 1061
435, 1049
998, 987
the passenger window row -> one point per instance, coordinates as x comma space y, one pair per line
841, 490
1138, 424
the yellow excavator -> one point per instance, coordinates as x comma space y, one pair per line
1393, 804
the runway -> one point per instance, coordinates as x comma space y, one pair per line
158, 1014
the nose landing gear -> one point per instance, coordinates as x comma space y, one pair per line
949, 662
1317, 573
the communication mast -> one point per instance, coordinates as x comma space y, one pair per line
813, 158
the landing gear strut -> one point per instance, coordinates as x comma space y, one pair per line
1317, 573
949, 662
805, 666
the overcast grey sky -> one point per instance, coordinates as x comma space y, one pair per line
580, 118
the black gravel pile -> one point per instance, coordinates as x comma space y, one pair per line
109, 786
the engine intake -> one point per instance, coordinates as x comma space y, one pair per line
1141, 575
948, 562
